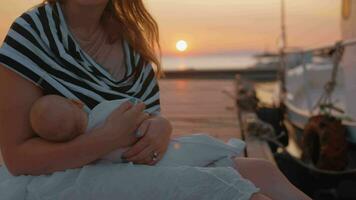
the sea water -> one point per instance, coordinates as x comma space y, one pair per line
208, 62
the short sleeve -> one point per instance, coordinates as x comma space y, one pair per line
15, 53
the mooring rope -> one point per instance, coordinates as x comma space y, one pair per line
325, 100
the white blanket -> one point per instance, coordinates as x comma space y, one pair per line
107, 181
194, 167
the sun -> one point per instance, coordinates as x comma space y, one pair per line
182, 45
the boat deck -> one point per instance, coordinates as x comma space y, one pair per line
201, 106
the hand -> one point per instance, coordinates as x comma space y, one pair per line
156, 139
123, 121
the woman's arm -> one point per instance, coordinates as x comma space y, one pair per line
26, 154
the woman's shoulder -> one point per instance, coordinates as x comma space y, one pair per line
27, 25
31, 16
17, 49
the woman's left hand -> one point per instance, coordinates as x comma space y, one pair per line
156, 137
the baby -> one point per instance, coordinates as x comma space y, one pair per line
67, 119
55, 118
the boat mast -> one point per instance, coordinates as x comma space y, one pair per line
282, 49
283, 25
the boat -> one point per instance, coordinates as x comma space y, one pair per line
305, 84
327, 71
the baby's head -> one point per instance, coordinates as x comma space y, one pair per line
58, 119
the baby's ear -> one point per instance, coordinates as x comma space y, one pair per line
77, 102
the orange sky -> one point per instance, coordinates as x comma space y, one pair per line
218, 26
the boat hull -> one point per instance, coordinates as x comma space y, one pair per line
305, 85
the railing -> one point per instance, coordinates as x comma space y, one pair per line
343, 43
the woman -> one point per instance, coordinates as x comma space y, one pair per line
94, 50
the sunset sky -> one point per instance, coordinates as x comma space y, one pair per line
227, 26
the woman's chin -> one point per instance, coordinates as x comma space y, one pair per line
91, 2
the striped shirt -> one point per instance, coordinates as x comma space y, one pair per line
40, 47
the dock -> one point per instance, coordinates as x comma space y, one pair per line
208, 106
204, 106
200, 106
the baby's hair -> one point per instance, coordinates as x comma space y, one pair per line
48, 117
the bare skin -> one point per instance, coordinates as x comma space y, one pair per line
58, 119
260, 196
269, 179
26, 154
86, 19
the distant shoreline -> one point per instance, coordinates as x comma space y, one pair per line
255, 74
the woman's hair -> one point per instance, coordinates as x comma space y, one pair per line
131, 20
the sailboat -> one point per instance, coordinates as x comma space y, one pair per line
326, 76
306, 84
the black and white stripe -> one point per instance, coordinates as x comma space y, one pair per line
40, 47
